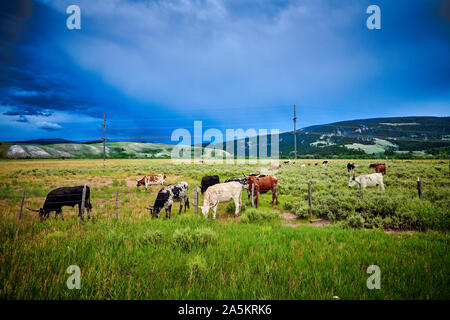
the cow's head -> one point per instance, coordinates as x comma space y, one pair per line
139, 182
205, 210
154, 211
352, 182
40, 211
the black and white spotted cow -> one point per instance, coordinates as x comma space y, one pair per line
176, 192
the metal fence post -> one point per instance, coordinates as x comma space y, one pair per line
117, 203
83, 198
21, 206
309, 200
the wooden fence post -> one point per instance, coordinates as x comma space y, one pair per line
419, 188
117, 203
83, 198
253, 194
309, 200
21, 206
196, 199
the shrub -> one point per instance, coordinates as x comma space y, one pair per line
197, 266
252, 215
187, 238
355, 221
301, 210
151, 237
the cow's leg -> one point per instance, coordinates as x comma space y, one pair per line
236, 206
79, 211
256, 200
181, 207
186, 203
214, 211
275, 193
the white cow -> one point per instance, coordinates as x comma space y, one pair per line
367, 180
303, 166
222, 192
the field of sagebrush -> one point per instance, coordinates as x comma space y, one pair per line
257, 256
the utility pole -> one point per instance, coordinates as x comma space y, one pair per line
104, 139
295, 136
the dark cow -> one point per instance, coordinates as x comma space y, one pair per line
65, 196
176, 192
208, 181
325, 162
379, 167
350, 166
263, 185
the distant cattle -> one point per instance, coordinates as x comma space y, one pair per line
309, 164
379, 167
65, 196
325, 162
367, 180
286, 162
263, 185
316, 164
208, 181
176, 192
275, 167
222, 192
150, 180
350, 166
303, 166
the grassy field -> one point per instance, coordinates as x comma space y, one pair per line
260, 255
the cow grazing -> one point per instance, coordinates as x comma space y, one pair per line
309, 164
325, 162
65, 196
379, 167
263, 185
316, 164
367, 180
350, 166
176, 192
275, 167
150, 180
222, 192
303, 166
286, 162
208, 181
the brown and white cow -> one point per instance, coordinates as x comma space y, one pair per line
275, 167
379, 167
222, 192
150, 180
263, 185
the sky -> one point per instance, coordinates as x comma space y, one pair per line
155, 66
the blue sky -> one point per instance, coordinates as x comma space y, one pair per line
154, 66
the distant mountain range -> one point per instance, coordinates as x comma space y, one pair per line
377, 136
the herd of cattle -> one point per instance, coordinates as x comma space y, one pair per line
214, 191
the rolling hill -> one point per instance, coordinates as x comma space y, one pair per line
354, 138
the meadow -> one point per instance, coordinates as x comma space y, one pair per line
266, 253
